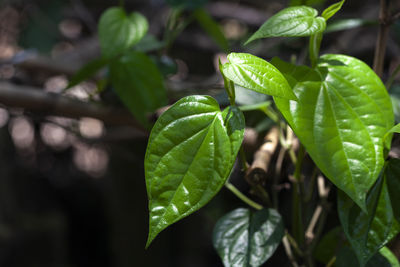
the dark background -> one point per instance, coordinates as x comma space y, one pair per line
72, 191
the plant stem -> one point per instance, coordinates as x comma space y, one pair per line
331, 262
243, 160
242, 197
383, 34
297, 220
314, 46
288, 251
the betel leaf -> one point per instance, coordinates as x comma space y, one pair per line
87, 71
212, 28
341, 119
119, 31
383, 258
246, 238
393, 180
295, 21
332, 9
394, 129
346, 24
368, 232
138, 83
256, 74
190, 154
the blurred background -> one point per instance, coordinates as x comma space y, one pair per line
72, 188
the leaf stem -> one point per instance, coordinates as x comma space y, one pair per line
297, 205
314, 46
242, 197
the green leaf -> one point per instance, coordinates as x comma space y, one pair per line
87, 71
212, 28
190, 154
332, 9
346, 24
149, 43
256, 74
119, 31
328, 245
394, 129
393, 181
291, 22
368, 232
138, 83
384, 258
246, 238
396, 107
341, 119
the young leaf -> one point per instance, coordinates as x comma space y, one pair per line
212, 28
341, 120
190, 154
87, 71
256, 74
138, 83
290, 22
368, 232
332, 9
393, 181
119, 31
246, 238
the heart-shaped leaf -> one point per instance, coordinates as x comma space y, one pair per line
393, 180
138, 83
190, 154
368, 232
119, 31
256, 74
383, 258
341, 119
290, 22
246, 238
332, 9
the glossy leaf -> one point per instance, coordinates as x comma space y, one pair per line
341, 118
291, 22
256, 74
368, 232
383, 258
190, 154
87, 71
119, 31
138, 83
393, 180
246, 238
212, 28
332, 9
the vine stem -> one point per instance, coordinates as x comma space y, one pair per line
242, 197
383, 34
297, 220
392, 77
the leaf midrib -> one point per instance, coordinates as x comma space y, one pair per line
181, 181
